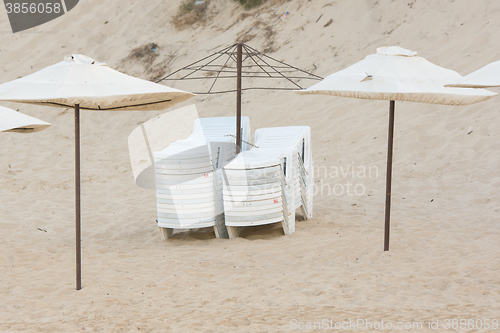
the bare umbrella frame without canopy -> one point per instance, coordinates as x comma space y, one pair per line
242, 61
396, 74
79, 82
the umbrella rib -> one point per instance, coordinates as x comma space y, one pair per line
218, 74
233, 70
106, 109
246, 76
235, 90
317, 77
279, 72
243, 66
194, 71
257, 63
231, 56
180, 69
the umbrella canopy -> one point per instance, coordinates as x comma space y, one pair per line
488, 76
84, 83
81, 80
13, 121
396, 74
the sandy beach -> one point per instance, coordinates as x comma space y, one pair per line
444, 260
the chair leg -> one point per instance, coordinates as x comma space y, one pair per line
233, 232
166, 233
216, 230
304, 212
284, 225
220, 227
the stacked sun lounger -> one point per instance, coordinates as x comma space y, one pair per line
270, 181
189, 177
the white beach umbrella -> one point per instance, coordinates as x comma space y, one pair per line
81, 80
83, 83
488, 76
396, 74
13, 121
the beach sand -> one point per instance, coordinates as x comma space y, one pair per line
445, 251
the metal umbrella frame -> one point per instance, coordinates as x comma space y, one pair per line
241, 61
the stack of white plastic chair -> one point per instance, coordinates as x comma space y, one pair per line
298, 137
270, 181
189, 177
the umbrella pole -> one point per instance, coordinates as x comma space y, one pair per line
238, 98
77, 199
388, 181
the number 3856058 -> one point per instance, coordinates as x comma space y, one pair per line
33, 8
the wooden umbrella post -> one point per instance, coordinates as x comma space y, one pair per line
388, 181
238, 97
77, 199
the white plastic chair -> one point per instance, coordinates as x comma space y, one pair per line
270, 181
189, 178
